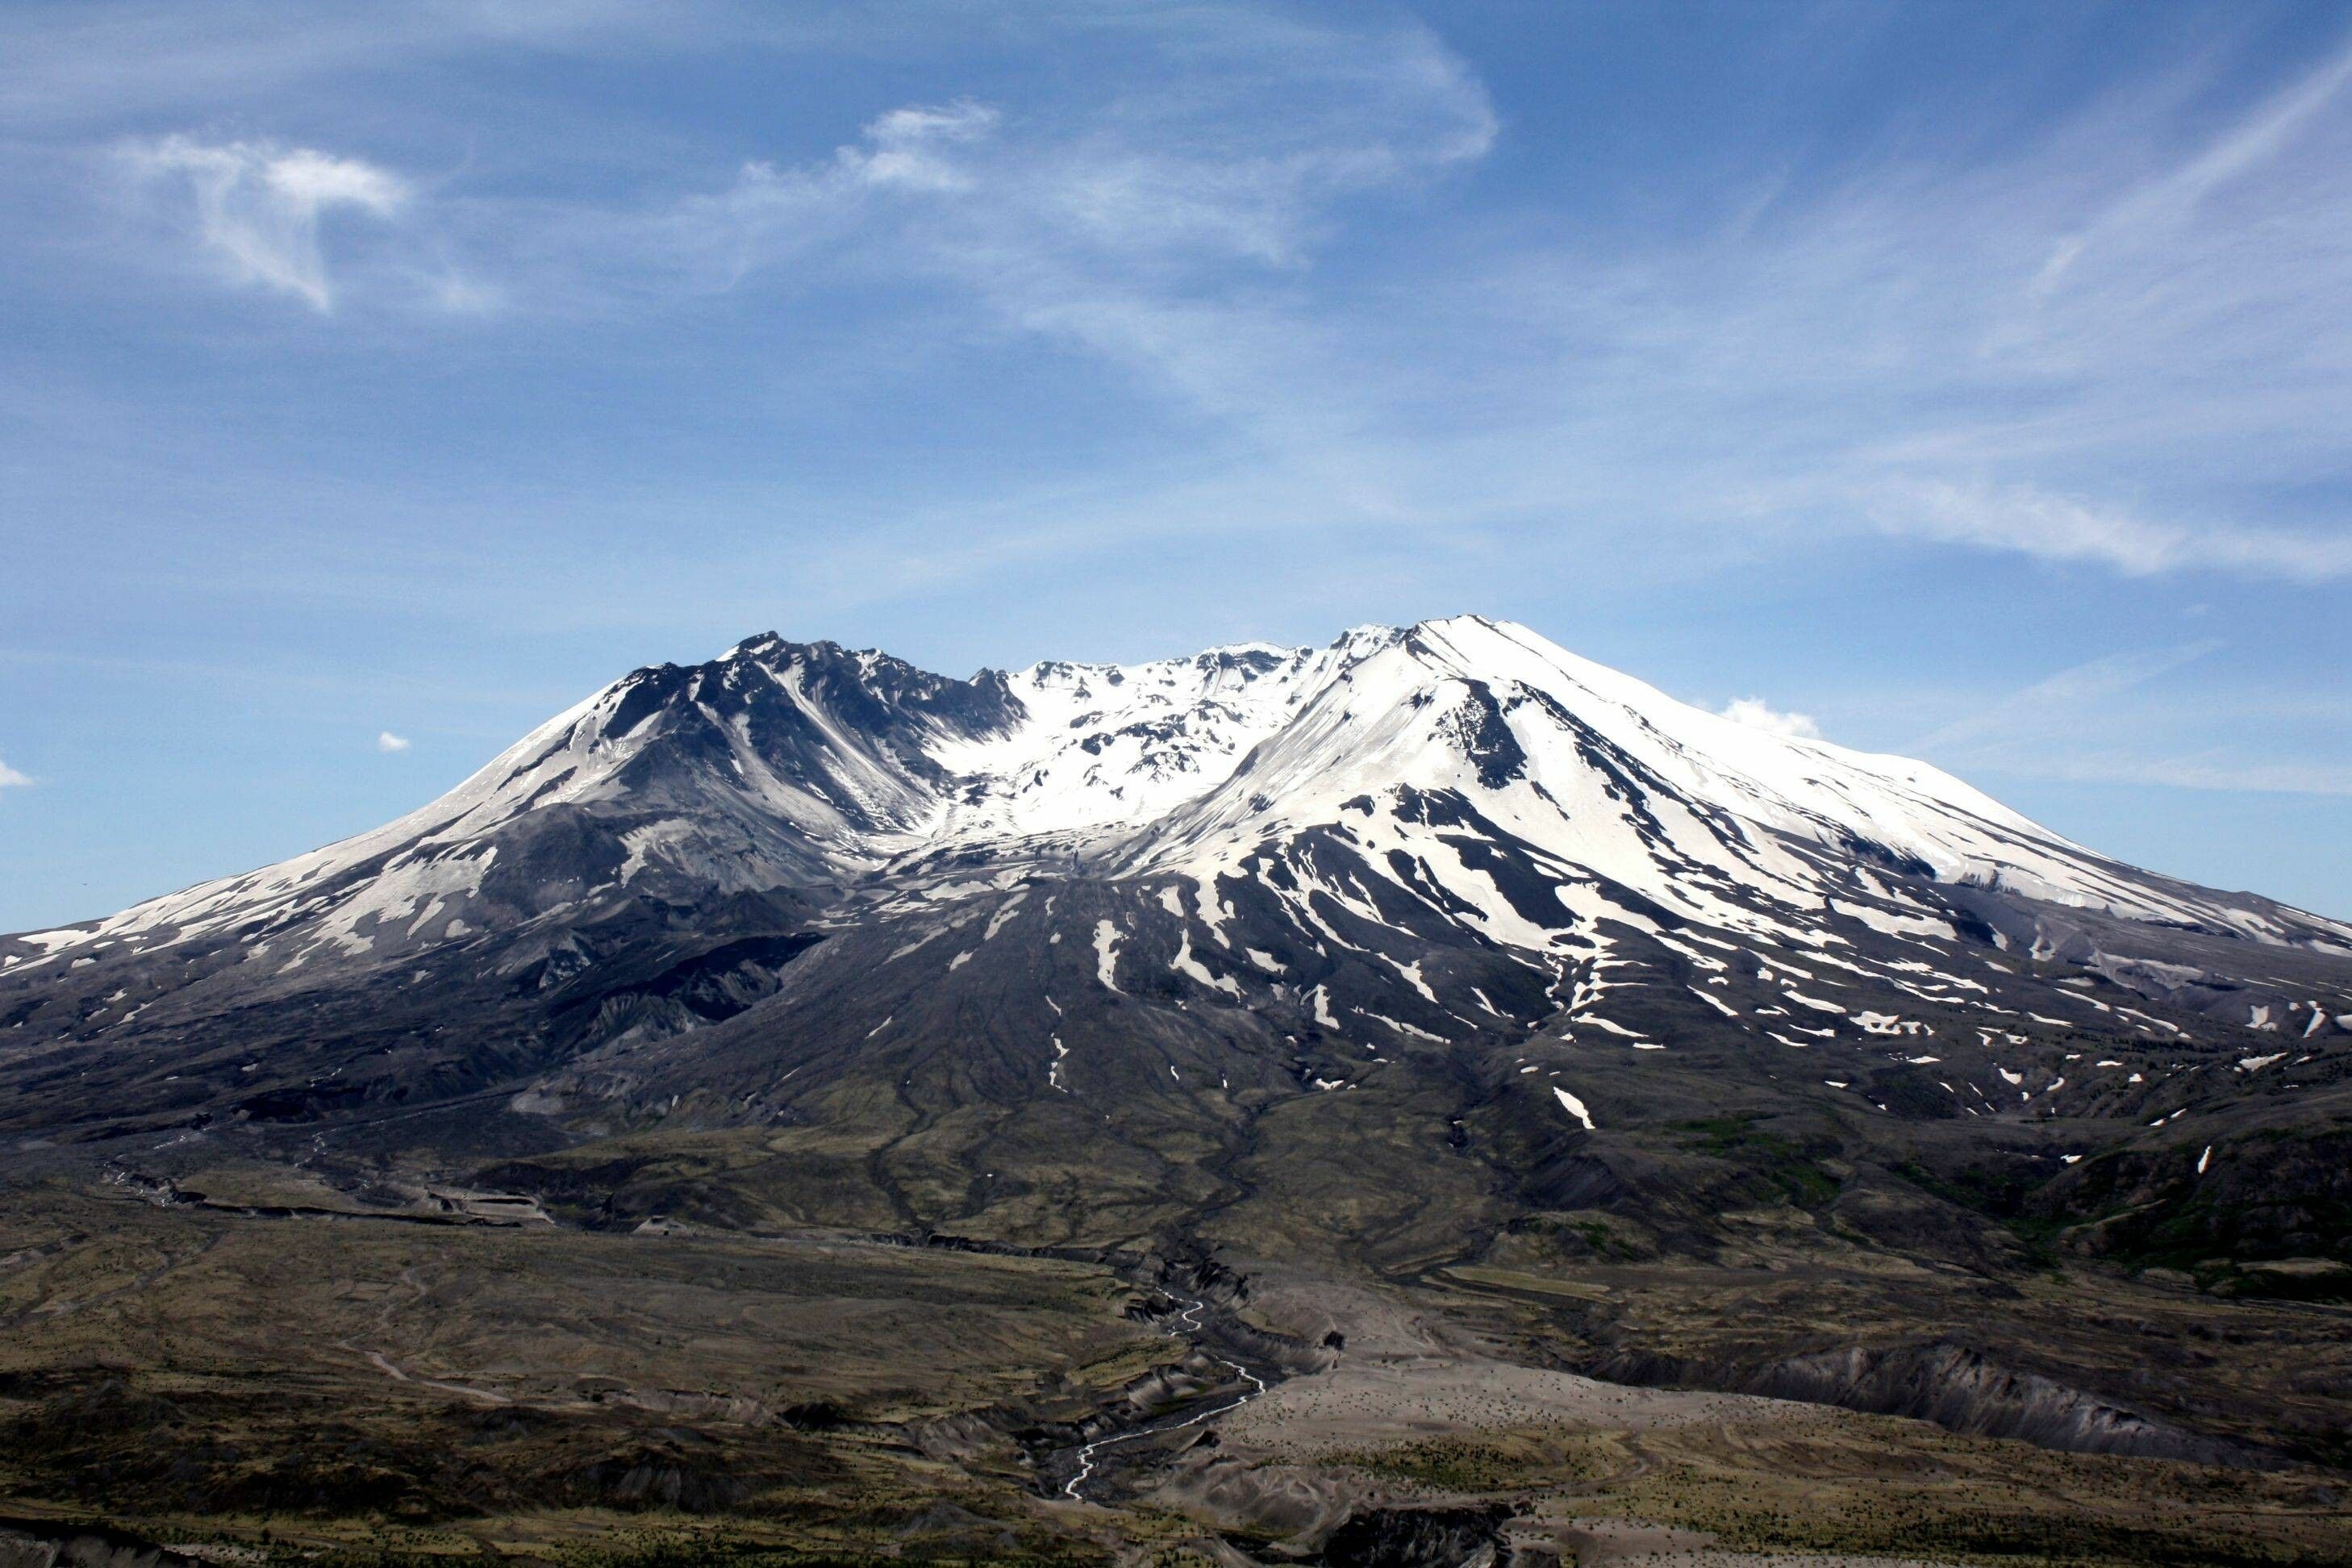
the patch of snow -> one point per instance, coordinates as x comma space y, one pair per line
1106, 954
1574, 1107
1186, 964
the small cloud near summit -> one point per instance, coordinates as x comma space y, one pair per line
385, 741
10, 777
1758, 714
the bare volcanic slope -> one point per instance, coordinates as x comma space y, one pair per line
1385, 946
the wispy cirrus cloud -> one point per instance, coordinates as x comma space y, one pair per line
1889, 349
2064, 700
1168, 227
2030, 521
770, 213
1185, 187
11, 779
1915, 342
2213, 769
257, 208
912, 147
2104, 721
2160, 206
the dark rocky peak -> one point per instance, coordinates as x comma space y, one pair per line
870, 688
1248, 662
767, 681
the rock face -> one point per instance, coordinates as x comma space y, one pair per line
1415, 1537
1442, 914
1952, 1386
83, 1546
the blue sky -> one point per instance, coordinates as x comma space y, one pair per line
1971, 381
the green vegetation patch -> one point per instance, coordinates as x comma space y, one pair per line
2000, 1196
1791, 1168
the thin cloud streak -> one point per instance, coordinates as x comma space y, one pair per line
2044, 731
2166, 203
2061, 700
2212, 771
2058, 528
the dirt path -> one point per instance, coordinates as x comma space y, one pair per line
392, 1368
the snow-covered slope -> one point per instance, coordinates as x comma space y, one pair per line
1101, 749
1626, 788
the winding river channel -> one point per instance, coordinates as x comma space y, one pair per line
1187, 1322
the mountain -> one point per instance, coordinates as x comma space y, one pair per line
1062, 950
1609, 1034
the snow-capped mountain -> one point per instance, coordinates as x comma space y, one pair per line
715, 895
782, 765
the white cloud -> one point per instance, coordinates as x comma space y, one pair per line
257, 206
1758, 714
1932, 344
11, 778
1143, 227
2058, 528
908, 146
774, 213
2079, 343
385, 741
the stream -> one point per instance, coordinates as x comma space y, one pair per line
1188, 1322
